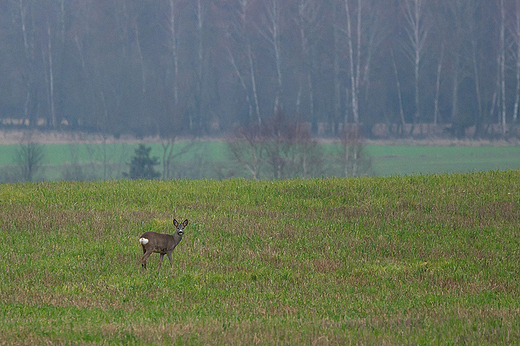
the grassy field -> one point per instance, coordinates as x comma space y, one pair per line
406, 160
211, 159
428, 259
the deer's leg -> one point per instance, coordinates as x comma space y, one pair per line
145, 257
170, 258
160, 262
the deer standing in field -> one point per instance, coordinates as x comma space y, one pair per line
161, 243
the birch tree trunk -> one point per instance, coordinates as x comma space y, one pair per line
172, 30
199, 69
141, 58
273, 36
455, 90
336, 69
502, 62
438, 87
243, 64
50, 76
307, 11
417, 32
516, 35
253, 82
240, 77
476, 73
29, 60
354, 56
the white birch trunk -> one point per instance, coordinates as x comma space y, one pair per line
51, 77
353, 60
272, 35
477, 86
438, 87
416, 33
516, 33
245, 71
174, 51
455, 90
250, 61
337, 80
275, 30
27, 52
306, 12
502, 67
241, 80
200, 61
253, 83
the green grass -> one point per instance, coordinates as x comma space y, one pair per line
210, 156
429, 259
57, 154
406, 160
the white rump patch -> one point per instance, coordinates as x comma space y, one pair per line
143, 241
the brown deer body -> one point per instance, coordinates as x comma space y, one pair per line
163, 244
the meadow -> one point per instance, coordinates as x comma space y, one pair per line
212, 160
425, 259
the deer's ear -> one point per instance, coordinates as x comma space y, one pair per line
185, 223
175, 223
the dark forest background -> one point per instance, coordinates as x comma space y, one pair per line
203, 67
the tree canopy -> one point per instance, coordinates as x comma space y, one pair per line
206, 66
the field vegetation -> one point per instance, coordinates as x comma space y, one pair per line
426, 259
213, 160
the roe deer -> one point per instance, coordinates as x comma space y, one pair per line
161, 243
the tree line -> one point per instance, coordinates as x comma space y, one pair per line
279, 148
199, 67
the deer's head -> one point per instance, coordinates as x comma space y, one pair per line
180, 226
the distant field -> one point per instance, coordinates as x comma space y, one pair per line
419, 260
388, 160
406, 160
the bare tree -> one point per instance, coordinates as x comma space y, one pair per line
436, 114
253, 82
281, 148
417, 32
29, 156
74, 170
306, 159
476, 73
354, 18
50, 76
241, 58
336, 64
502, 65
31, 59
307, 21
460, 12
248, 149
353, 158
277, 146
173, 39
290, 149
173, 150
515, 32
272, 33
364, 31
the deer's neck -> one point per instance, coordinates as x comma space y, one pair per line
177, 238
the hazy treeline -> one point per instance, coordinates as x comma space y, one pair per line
204, 66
